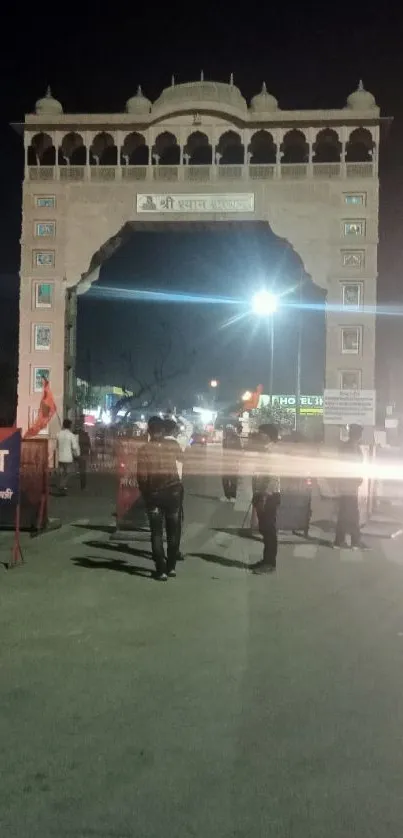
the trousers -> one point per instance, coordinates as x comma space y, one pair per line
165, 510
230, 485
266, 508
348, 520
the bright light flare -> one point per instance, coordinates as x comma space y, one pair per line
246, 396
264, 303
214, 383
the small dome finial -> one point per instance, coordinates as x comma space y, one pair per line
264, 87
48, 92
231, 79
172, 81
139, 90
361, 85
201, 75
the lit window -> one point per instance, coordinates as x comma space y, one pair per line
42, 337
354, 228
356, 199
352, 258
352, 294
45, 201
45, 229
39, 375
350, 340
44, 258
350, 380
44, 294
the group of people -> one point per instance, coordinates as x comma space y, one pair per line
159, 476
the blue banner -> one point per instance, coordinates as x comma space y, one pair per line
10, 457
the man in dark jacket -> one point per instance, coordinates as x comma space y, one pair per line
231, 443
161, 487
266, 499
85, 453
348, 518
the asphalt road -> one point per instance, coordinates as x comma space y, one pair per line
218, 704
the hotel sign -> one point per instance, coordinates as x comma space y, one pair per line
197, 203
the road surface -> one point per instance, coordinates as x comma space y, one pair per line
218, 704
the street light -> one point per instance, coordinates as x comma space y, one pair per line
265, 304
214, 383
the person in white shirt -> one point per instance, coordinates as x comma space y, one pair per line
67, 450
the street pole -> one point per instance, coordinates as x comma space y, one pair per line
271, 384
299, 354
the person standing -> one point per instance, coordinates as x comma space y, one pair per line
172, 433
85, 454
161, 487
348, 515
67, 450
266, 500
231, 444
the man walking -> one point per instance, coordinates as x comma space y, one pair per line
266, 500
85, 454
172, 433
231, 444
348, 518
67, 450
160, 484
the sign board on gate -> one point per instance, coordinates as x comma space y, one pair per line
349, 407
10, 455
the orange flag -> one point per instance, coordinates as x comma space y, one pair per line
253, 402
47, 409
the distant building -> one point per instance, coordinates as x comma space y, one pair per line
199, 153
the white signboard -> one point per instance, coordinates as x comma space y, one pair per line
349, 407
202, 202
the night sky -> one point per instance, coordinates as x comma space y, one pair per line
94, 62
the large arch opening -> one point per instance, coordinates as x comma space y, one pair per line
171, 310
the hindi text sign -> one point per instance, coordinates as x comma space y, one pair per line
349, 407
10, 456
196, 203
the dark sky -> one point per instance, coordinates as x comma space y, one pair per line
94, 61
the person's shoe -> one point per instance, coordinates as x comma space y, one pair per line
161, 577
342, 546
263, 567
360, 546
171, 574
180, 558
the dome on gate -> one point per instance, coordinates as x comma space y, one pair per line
263, 102
138, 104
361, 99
194, 95
48, 105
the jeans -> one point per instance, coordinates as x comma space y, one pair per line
348, 520
166, 508
64, 472
82, 470
230, 485
266, 509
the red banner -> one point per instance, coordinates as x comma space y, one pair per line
129, 507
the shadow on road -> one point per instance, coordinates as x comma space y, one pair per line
113, 564
96, 527
297, 539
119, 548
211, 558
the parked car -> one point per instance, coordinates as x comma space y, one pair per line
198, 438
